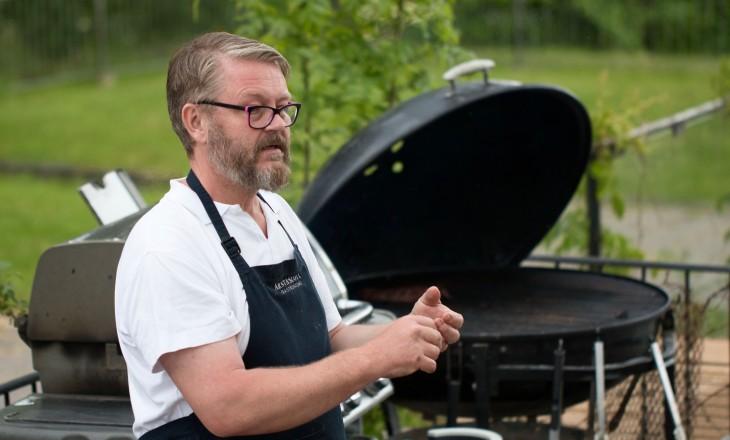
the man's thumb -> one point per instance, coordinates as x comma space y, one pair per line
431, 297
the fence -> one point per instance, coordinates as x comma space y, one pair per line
87, 38
43, 39
669, 26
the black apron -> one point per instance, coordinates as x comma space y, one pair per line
288, 327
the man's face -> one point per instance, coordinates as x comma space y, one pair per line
251, 158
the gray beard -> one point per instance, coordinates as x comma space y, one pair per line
238, 164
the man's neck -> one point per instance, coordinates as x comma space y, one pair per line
222, 190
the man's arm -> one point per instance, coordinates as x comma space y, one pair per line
232, 400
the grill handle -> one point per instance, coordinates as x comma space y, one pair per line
479, 65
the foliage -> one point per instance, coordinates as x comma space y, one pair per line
352, 59
611, 140
10, 305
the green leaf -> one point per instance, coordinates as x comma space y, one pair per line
617, 204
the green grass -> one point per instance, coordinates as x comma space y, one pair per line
38, 214
675, 82
125, 125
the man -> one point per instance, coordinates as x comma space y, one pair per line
224, 318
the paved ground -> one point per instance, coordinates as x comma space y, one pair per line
676, 233
14, 354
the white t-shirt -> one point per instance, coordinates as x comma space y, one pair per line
176, 288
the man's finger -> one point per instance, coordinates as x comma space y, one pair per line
431, 297
425, 321
427, 365
449, 334
455, 320
432, 336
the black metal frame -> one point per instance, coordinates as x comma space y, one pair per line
30, 379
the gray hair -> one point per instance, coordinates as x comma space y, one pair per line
193, 73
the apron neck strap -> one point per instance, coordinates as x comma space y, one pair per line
229, 243
278, 220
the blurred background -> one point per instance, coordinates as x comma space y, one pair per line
82, 92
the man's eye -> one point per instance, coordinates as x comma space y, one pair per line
258, 113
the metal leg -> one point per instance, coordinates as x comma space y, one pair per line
591, 411
669, 346
600, 391
453, 374
557, 403
679, 433
668, 421
482, 384
390, 414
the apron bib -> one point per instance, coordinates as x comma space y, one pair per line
288, 327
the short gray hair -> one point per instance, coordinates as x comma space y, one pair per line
193, 73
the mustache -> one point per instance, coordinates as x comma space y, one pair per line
273, 139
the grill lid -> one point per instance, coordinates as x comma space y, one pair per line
471, 179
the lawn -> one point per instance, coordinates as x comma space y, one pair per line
125, 125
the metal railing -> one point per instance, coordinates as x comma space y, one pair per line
30, 379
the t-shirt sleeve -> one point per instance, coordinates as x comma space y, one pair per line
173, 304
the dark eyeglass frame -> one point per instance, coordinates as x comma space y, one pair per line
249, 108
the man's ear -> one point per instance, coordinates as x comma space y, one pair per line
194, 123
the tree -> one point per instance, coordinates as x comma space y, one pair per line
352, 59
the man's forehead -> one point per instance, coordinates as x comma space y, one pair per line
253, 79
248, 93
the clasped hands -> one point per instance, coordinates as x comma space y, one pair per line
447, 321
415, 341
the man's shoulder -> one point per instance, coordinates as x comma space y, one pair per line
166, 224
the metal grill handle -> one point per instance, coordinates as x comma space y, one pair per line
480, 65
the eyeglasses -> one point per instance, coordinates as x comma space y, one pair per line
261, 116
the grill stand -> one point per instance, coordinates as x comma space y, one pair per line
597, 403
557, 404
600, 383
454, 378
668, 393
390, 415
484, 357
485, 362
